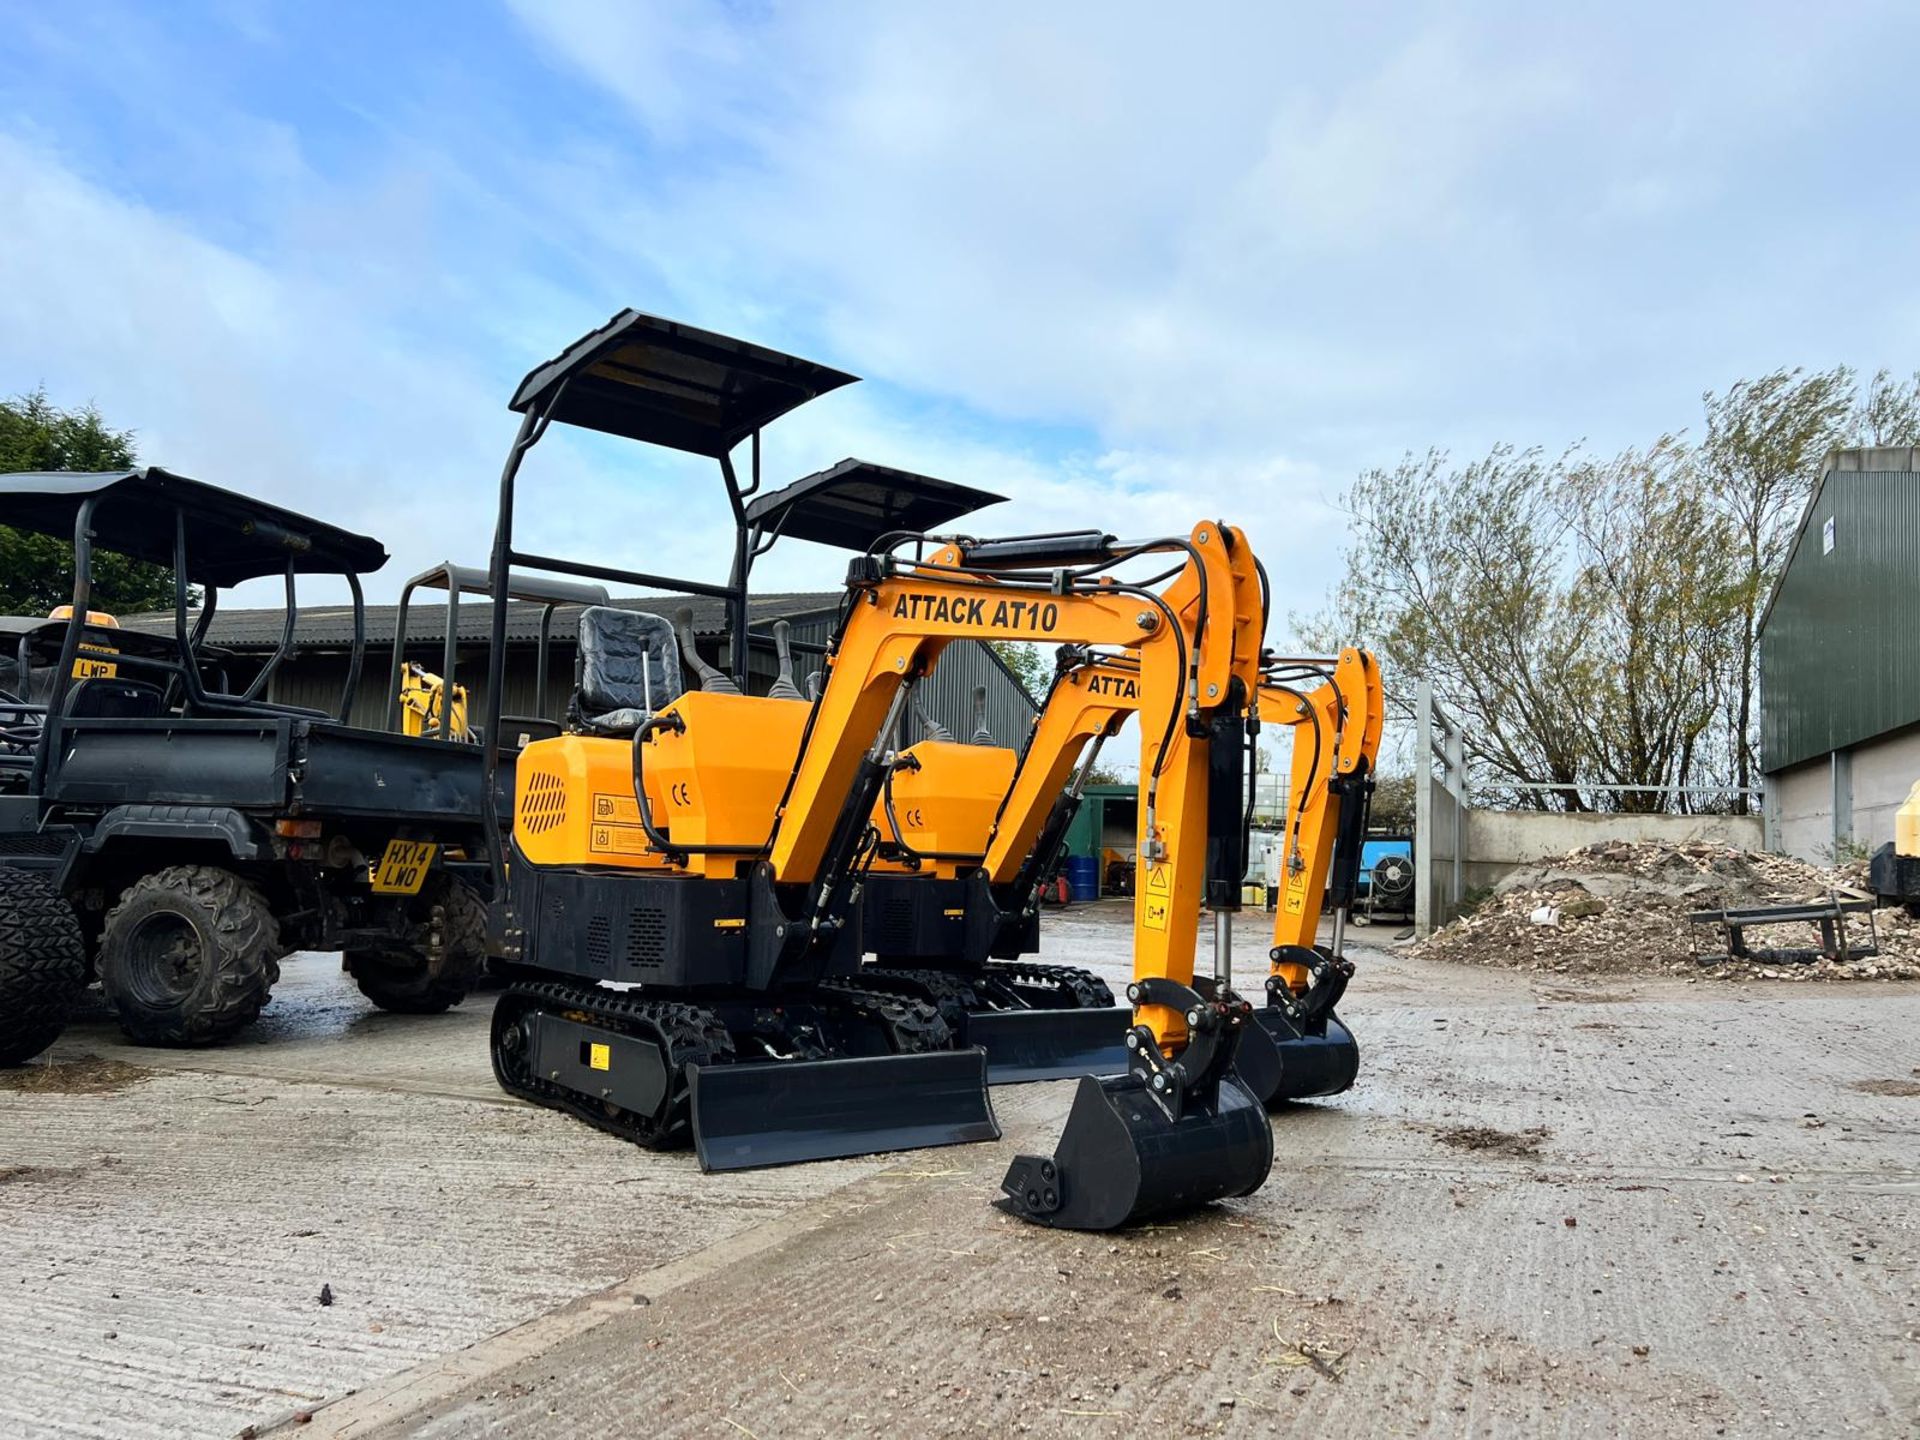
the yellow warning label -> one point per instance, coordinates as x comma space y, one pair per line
1160, 880
1154, 915
614, 808
599, 1057
1296, 897
619, 840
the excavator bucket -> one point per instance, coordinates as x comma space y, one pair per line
1166, 1136
1122, 1159
1027, 1045
784, 1112
1279, 1061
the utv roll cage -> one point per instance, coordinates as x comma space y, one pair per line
209, 537
658, 382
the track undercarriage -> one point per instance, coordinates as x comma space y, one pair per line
1035, 1022
837, 1070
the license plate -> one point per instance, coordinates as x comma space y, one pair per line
403, 867
87, 668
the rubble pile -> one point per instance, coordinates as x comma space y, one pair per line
1622, 908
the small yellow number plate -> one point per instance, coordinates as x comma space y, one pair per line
403, 867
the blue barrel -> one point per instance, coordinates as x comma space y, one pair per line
1083, 877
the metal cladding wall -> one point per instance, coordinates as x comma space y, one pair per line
1840, 642
314, 678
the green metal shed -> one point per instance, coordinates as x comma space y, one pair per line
1840, 660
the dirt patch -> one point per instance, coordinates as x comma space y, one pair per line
1887, 1087
1620, 909
91, 1076
1588, 997
1484, 1139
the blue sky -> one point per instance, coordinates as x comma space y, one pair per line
1132, 264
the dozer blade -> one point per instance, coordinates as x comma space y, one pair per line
1279, 1062
783, 1112
1024, 1045
1122, 1159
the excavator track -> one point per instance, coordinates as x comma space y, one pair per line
1035, 1022
1071, 987
912, 1026
577, 1032
686, 1034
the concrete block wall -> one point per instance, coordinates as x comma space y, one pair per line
1498, 842
1848, 797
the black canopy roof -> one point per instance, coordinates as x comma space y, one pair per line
230, 537
653, 380
854, 503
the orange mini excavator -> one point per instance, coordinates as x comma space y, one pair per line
935, 934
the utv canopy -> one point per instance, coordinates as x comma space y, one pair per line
852, 504
230, 537
662, 383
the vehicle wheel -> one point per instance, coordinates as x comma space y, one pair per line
407, 982
43, 964
189, 956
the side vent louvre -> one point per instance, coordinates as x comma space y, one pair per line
600, 942
647, 937
544, 804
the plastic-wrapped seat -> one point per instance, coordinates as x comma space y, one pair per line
628, 667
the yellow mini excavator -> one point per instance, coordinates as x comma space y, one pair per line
1014, 848
712, 848
684, 877
424, 708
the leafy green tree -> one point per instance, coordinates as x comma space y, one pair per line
36, 571
1890, 411
1032, 669
1761, 457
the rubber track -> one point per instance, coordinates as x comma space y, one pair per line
1088, 990
690, 1034
43, 964
913, 1026
687, 1033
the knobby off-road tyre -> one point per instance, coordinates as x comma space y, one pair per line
403, 982
189, 956
43, 964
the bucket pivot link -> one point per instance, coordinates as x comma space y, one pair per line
1170, 1134
1296, 1048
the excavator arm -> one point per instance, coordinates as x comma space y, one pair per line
1298, 1049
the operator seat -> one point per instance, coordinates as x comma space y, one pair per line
628, 667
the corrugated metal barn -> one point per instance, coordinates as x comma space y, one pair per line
1840, 660
316, 670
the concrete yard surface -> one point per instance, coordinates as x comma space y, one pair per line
1548, 1207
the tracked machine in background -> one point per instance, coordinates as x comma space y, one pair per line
969, 836
1011, 851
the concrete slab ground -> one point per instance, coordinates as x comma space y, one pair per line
1547, 1208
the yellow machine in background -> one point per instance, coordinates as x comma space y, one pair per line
423, 705
88, 663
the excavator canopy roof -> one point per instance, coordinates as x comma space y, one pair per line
662, 383
230, 537
854, 503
